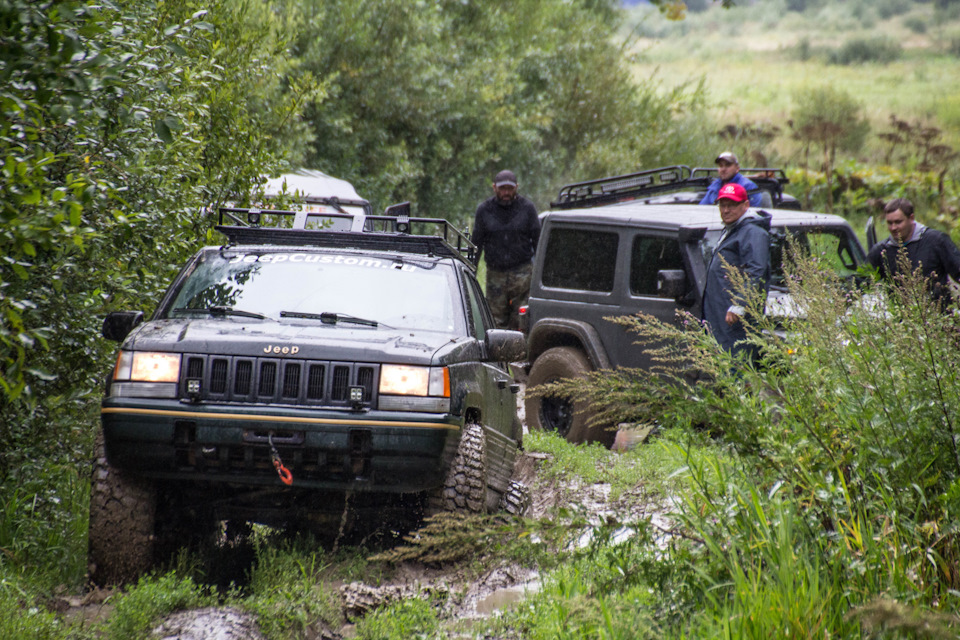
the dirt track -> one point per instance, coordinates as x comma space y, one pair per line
467, 596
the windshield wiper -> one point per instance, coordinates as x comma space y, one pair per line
218, 310
328, 317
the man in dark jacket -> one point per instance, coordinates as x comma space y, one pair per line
507, 230
744, 246
728, 170
932, 251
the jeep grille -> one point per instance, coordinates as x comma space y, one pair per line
271, 380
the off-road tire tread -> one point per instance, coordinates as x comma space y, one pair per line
122, 516
465, 488
516, 501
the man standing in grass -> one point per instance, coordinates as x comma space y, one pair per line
931, 251
507, 229
744, 246
728, 168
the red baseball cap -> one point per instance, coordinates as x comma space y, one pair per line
732, 191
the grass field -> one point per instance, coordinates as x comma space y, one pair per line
754, 60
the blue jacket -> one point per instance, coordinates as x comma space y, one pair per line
748, 184
745, 246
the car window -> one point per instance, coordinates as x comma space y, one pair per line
480, 320
649, 255
580, 259
831, 248
396, 293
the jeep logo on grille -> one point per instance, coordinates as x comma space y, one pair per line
273, 348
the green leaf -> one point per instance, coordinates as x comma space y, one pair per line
43, 375
163, 131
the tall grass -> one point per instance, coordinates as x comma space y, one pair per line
841, 487
43, 523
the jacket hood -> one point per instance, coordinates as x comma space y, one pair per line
758, 217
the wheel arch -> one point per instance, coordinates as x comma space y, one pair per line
560, 332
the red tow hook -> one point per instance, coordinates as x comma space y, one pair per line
285, 476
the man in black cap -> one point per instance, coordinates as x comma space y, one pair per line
728, 170
507, 230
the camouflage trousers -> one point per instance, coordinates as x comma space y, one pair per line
506, 292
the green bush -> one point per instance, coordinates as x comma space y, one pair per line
841, 486
289, 596
887, 9
138, 610
915, 24
24, 617
879, 49
400, 621
43, 522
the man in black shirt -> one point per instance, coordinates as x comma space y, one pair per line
507, 230
932, 251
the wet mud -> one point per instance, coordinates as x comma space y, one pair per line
466, 595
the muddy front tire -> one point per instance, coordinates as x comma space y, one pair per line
561, 415
465, 487
122, 517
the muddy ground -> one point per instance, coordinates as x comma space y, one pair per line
468, 596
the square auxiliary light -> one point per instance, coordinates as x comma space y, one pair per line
193, 386
356, 396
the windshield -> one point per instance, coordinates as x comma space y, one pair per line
387, 292
833, 247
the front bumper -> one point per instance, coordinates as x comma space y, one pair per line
376, 451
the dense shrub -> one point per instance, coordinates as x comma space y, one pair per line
916, 24
119, 122
864, 50
842, 484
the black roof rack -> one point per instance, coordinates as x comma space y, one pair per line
393, 231
663, 180
593, 193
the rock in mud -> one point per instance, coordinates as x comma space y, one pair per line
212, 623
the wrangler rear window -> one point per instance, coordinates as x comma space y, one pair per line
580, 259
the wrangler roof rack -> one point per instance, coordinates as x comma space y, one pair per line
395, 230
662, 180
594, 193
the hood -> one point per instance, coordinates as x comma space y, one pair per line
308, 341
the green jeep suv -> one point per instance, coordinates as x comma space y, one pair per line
316, 370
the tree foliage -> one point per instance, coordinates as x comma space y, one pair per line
429, 100
831, 120
120, 121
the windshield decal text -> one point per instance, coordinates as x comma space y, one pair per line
277, 258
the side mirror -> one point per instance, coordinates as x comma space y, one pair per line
671, 283
870, 231
118, 324
505, 346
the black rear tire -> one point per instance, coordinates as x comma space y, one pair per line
562, 415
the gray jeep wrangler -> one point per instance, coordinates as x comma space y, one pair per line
600, 256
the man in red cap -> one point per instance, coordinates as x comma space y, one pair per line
744, 246
506, 230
